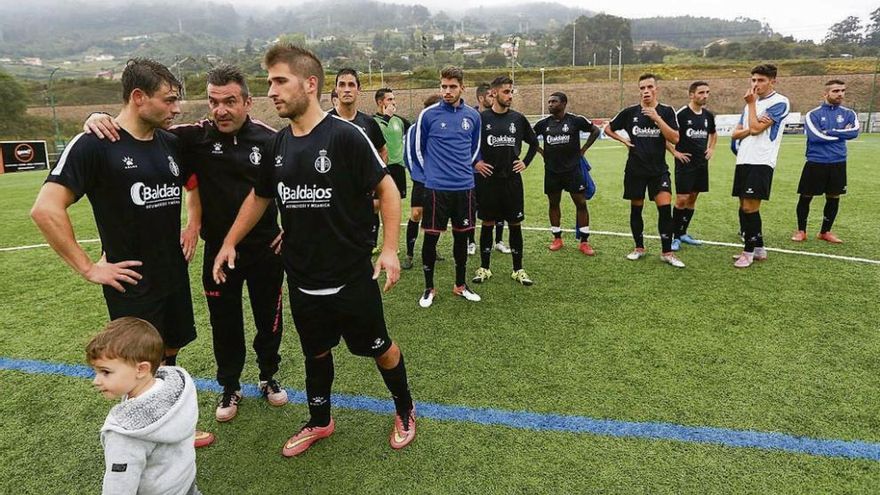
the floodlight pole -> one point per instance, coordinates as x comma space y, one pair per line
610, 52
52, 104
870, 127
620, 70
543, 100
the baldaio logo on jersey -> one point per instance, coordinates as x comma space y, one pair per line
651, 132
697, 133
304, 196
500, 141
155, 196
558, 139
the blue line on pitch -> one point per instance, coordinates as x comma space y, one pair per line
537, 421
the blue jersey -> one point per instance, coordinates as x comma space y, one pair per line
828, 127
447, 139
416, 172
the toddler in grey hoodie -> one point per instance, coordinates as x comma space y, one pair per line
148, 437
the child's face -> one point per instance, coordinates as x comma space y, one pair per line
115, 377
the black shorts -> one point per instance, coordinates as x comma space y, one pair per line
691, 177
573, 182
354, 313
417, 199
634, 185
501, 200
823, 178
443, 206
398, 173
172, 315
752, 181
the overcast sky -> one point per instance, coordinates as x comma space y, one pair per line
808, 19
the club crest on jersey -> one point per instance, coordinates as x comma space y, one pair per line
278, 160
840, 119
512, 128
466, 124
564, 128
323, 163
128, 162
705, 122
443, 125
488, 127
255, 156
175, 170
218, 149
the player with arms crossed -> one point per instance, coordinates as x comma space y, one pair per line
828, 128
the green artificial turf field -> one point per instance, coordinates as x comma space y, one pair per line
789, 346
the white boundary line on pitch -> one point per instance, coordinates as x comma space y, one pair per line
592, 232
726, 244
35, 246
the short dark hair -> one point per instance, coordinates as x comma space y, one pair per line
227, 74
381, 92
559, 94
300, 61
129, 339
647, 75
482, 89
334, 94
696, 84
146, 75
350, 71
500, 81
431, 100
835, 81
453, 73
768, 70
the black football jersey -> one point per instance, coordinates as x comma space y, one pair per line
323, 183
501, 141
562, 141
135, 188
226, 168
693, 131
367, 124
648, 156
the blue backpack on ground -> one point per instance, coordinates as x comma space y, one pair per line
590, 190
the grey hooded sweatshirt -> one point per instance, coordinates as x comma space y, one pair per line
148, 440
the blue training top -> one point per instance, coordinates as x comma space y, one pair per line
447, 139
828, 127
